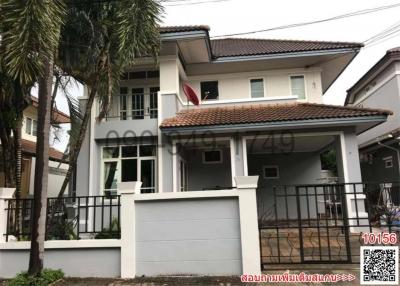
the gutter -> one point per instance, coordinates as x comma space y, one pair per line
272, 125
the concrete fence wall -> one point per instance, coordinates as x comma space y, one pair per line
193, 233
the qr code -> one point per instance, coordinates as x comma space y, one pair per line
379, 265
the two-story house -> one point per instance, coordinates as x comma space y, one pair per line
260, 113
57, 163
379, 87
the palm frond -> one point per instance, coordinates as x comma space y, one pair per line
31, 31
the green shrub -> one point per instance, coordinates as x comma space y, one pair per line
46, 277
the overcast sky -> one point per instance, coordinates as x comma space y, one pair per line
235, 16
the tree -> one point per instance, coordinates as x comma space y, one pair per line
98, 41
30, 40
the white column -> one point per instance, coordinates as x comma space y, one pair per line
352, 174
128, 240
246, 186
5, 194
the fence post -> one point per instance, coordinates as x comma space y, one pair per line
246, 186
5, 194
127, 190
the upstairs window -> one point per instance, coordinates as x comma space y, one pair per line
257, 87
297, 86
31, 127
209, 90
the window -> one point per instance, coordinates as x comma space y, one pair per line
128, 164
209, 90
123, 107
153, 102
257, 87
137, 103
271, 172
297, 86
212, 157
388, 161
28, 126
31, 126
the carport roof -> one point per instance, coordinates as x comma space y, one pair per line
266, 113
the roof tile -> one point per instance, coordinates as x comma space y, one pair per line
247, 114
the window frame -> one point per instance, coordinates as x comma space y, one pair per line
221, 158
31, 128
387, 160
276, 167
264, 87
305, 86
201, 92
119, 165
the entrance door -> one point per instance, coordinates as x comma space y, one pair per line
148, 175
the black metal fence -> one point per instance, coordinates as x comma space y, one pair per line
324, 223
68, 218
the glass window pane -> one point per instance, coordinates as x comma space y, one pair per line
212, 156
137, 103
298, 86
257, 88
129, 170
129, 151
28, 127
110, 152
147, 176
34, 127
209, 90
147, 150
110, 175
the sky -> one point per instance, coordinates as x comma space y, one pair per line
236, 16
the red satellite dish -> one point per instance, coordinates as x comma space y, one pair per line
190, 94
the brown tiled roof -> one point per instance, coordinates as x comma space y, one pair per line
247, 114
29, 147
58, 116
177, 29
233, 47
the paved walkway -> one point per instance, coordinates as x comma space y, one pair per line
209, 281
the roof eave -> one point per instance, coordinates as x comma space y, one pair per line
284, 55
382, 64
294, 124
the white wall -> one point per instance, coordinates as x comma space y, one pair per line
384, 92
276, 84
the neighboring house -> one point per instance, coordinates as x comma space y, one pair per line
57, 163
379, 147
260, 100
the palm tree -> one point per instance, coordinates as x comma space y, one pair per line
30, 36
98, 42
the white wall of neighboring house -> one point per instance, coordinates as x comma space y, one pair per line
381, 92
57, 173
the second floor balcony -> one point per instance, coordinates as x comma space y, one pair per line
133, 113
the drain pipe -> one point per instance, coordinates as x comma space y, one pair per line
398, 155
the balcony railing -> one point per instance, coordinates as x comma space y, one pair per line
134, 106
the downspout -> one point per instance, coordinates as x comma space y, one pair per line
398, 156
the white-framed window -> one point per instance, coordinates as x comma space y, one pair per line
271, 172
298, 86
212, 156
257, 87
31, 126
388, 161
129, 163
